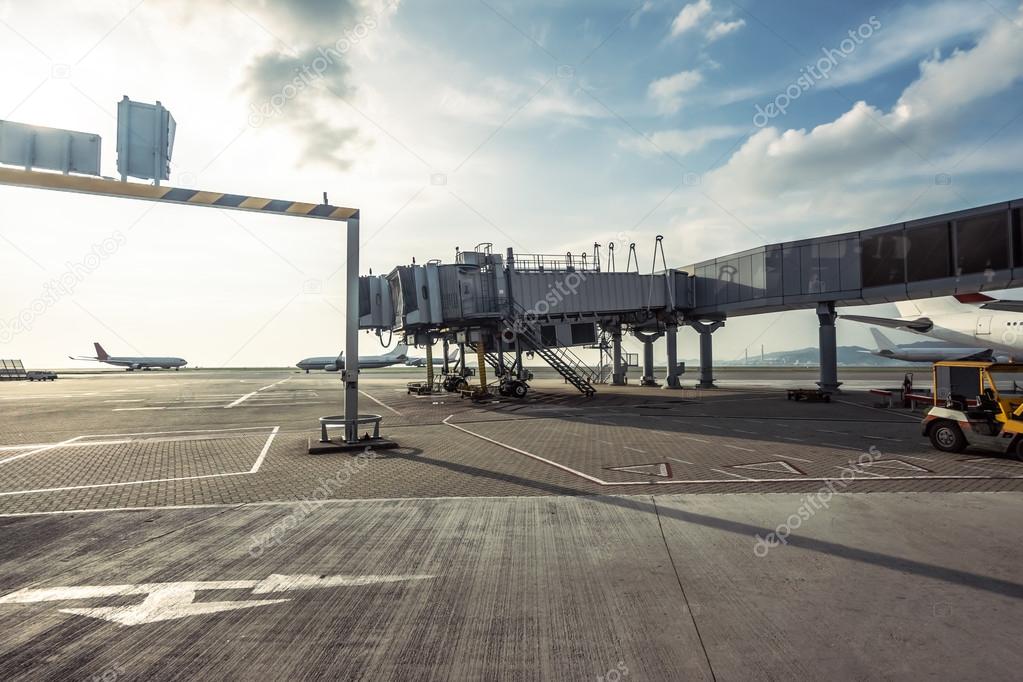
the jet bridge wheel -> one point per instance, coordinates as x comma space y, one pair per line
519, 389
947, 437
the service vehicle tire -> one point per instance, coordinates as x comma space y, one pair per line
1016, 449
947, 437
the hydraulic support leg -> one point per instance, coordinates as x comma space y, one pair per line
648, 357
429, 365
618, 375
829, 382
671, 336
705, 330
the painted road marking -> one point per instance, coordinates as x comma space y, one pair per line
255, 467
38, 450
676, 459
170, 601
382, 404
729, 473
634, 449
239, 401
736, 447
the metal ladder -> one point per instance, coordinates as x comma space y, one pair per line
563, 360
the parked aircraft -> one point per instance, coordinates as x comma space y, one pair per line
421, 362
133, 363
886, 348
331, 363
973, 321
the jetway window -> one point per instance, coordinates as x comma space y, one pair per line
773, 271
928, 252
982, 243
583, 332
882, 259
364, 304
549, 335
408, 302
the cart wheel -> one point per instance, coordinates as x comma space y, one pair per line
947, 437
1016, 449
519, 389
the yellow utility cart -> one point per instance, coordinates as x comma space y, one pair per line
977, 403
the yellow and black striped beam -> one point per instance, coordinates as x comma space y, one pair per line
171, 195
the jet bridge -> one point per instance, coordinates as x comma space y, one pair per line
507, 305
548, 304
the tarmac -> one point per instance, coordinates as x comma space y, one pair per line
171, 525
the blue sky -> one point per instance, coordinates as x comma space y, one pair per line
544, 126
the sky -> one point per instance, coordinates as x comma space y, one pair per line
544, 126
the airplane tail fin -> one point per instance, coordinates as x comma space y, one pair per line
100, 353
882, 341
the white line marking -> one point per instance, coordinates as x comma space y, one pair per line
798, 440
736, 447
523, 452
753, 433
37, 451
698, 440
634, 449
798, 459
266, 448
255, 468
126, 400
378, 402
163, 433
729, 473
240, 400
676, 459
675, 482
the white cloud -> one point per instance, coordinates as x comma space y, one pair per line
722, 28
689, 17
865, 136
666, 92
680, 142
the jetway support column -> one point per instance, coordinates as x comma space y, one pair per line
672, 380
828, 339
648, 357
618, 376
705, 330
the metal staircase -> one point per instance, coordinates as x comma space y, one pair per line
491, 357
563, 360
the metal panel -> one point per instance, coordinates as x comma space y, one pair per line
145, 140
54, 149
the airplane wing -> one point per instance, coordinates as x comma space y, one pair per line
987, 303
921, 324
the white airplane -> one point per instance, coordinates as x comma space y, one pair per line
886, 348
133, 363
331, 363
421, 362
970, 321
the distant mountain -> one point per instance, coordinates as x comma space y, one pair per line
848, 356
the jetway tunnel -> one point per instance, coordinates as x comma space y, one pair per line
509, 304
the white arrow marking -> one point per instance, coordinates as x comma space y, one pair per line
168, 601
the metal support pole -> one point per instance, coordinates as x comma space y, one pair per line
706, 329
447, 363
350, 377
828, 339
672, 380
618, 375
